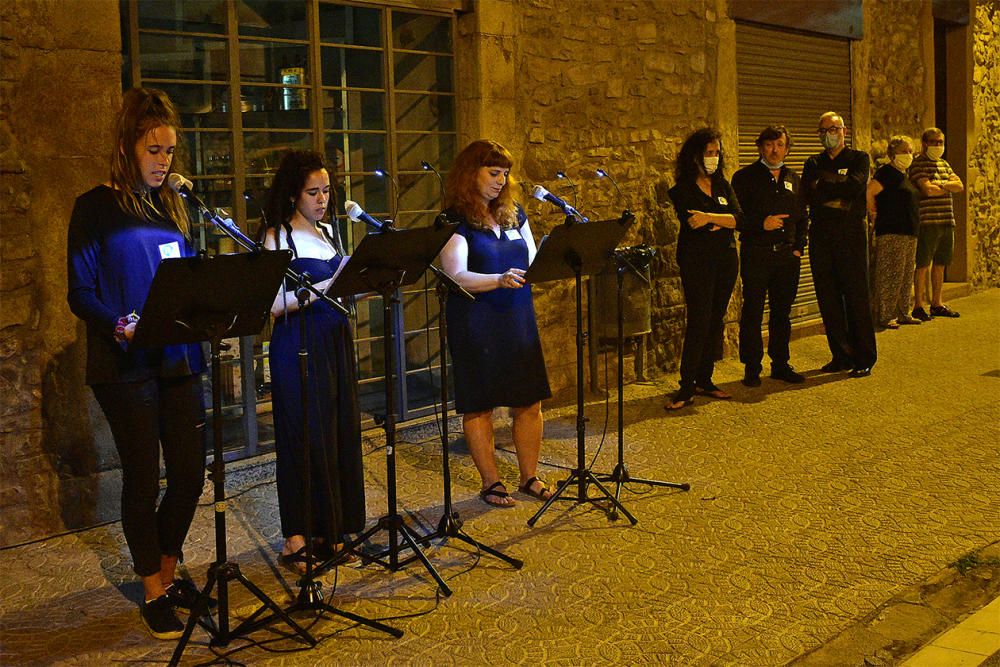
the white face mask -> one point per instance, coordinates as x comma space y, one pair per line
935, 152
902, 161
711, 164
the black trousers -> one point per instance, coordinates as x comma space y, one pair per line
708, 278
838, 254
144, 416
771, 275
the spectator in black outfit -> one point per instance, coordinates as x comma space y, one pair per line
772, 240
152, 398
834, 184
706, 253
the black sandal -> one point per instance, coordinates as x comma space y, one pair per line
497, 490
294, 560
681, 399
538, 495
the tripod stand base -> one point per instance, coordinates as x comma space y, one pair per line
620, 476
222, 574
389, 557
583, 478
310, 599
450, 526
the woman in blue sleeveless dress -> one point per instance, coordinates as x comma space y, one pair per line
494, 344
297, 204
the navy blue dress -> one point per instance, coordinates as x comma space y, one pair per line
337, 474
494, 344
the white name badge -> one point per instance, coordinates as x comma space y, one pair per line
788, 186
513, 234
170, 250
722, 200
842, 172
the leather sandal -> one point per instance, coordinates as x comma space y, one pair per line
296, 562
495, 490
527, 489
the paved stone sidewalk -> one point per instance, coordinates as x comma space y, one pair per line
810, 506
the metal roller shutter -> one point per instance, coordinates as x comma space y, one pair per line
790, 79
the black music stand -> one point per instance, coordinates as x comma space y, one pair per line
620, 475
574, 251
383, 263
450, 524
194, 299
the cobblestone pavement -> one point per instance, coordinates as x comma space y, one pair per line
810, 506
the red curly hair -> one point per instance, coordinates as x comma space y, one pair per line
463, 185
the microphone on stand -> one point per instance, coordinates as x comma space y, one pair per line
621, 198
182, 186
562, 175
427, 166
357, 214
542, 194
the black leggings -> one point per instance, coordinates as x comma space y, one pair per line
143, 416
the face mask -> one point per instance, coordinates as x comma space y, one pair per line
935, 152
772, 166
830, 141
711, 164
902, 161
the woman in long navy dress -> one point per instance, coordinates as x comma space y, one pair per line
297, 204
494, 344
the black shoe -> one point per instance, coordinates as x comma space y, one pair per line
183, 594
942, 311
921, 314
786, 373
751, 378
159, 618
835, 366
861, 372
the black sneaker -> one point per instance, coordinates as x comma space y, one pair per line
159, 618
786, 373
183, 594
921, 314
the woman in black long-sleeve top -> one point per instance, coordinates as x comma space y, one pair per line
706, 253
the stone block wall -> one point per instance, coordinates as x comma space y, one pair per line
984, 190
59, 85
895, 72
618, 90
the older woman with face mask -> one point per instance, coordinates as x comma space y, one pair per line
892, 209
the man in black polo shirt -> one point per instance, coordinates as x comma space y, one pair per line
834, 184
772, 240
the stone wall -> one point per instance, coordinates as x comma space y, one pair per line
59, 84
984, 189
620, 91
896, 75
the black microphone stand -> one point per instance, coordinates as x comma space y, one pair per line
620, 475
223, 571
387, 282
450, 524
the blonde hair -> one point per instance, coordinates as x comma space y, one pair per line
143, 110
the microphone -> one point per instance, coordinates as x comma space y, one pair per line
357, 214
542, 194
427, 166
181, 185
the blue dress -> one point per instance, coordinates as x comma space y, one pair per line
337, 474
494, 344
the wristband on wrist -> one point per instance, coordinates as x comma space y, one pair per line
123, 322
